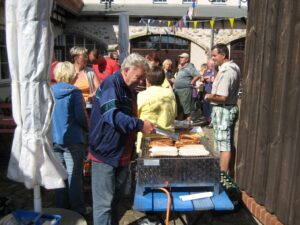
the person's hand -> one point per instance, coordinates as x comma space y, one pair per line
206, 97
148, 127
207, 78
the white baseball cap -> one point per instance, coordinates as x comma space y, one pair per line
184, 55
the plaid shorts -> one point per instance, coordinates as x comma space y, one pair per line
223, 120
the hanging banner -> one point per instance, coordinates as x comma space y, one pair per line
180, 25
184, 21
142, 21
193, 4
231, 21
190, 13
123, 38
195, 24
167, 31
212, 23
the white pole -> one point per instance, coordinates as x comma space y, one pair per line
37, 200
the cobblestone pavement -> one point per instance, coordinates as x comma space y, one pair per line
21, 198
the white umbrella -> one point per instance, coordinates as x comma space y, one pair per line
29, 47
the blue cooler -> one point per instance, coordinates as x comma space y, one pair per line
33, 218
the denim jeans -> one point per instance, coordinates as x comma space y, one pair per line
108, 184
207, 107
72, 196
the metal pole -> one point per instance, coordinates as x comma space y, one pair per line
37, 201
212, 38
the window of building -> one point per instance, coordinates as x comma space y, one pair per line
104, 1
4, 69
188, 1
159, 1
217, 1
63, 44
160, 42
238, 44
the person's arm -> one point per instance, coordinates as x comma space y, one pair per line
215, 98
193, 82
207, 79
116, 67
196, 76
96, 82
113, 114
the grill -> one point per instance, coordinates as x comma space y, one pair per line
178, 171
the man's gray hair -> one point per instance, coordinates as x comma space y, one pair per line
135, 60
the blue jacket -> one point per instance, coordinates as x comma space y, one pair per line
69, 123
112, 120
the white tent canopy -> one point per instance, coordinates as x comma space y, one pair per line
29, 43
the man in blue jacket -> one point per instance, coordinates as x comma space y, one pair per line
114, 125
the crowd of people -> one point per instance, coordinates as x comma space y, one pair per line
105, 109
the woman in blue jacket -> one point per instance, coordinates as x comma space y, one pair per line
69, 127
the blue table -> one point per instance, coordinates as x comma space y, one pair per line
156, 201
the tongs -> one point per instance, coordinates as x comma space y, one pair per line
172, 135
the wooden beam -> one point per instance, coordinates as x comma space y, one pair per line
72, 6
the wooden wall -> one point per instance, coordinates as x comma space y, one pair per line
268, 155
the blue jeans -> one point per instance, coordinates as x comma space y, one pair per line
207, 109
72, 196
108, 184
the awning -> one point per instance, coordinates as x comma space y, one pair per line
29, 46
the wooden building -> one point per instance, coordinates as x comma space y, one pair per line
269, 142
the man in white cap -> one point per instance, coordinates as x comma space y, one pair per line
185, 80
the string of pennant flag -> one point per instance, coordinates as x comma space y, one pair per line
185, 21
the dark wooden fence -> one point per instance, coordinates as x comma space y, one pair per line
268, 167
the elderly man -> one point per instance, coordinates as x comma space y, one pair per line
112, 135
224, 96
185, 79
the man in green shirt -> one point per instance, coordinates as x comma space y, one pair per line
186, 78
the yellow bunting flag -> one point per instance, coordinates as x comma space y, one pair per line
231, 21
195, 24
169, 23
212, 23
